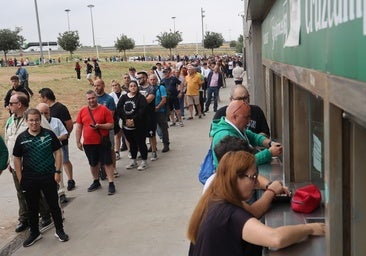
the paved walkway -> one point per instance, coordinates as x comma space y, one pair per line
148, 215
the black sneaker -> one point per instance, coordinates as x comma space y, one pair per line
23, 225
32, 238
70, 185
61, 235
165, 149
45, 224
94, 186
63, 199
111, 188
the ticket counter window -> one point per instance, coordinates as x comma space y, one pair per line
306, 136
316, 137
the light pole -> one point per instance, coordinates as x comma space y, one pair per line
173, 18
91, 17
244, 34
202, 16
39, 31
68, 18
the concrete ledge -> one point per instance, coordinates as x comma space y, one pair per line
13, 243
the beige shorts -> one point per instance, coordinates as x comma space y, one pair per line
89, 76
193, 100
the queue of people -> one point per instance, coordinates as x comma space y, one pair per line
141, 107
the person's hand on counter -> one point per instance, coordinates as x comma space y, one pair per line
318, 229
275, 148
278, 188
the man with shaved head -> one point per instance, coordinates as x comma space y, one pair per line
258, 122
234, 124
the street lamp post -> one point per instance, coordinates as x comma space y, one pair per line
244, 34
91, 17
39, 31
173, 18
68, 19
202, 16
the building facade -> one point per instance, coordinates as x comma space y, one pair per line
306, 64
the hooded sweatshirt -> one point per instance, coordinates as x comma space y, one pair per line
222, 128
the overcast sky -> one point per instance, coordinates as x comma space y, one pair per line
141, 20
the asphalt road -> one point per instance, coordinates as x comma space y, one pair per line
148, 215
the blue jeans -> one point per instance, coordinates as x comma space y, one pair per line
215, 92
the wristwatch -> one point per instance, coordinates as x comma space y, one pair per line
58, 171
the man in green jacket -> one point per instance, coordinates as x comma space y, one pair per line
234, 124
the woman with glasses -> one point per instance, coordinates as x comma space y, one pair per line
220, 225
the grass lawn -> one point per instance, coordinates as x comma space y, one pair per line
61, 78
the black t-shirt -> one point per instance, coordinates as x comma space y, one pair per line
61, 112
258, 122
171, 84
37, 152
97, 70
220, 233
89, 68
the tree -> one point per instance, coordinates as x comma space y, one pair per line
69, 41
213, 40
233, 44
10, 40
124, 43
239, 44
170, 40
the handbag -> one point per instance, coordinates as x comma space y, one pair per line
104, 141
207, 167
306, 199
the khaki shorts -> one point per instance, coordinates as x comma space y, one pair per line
89, 76
193, 100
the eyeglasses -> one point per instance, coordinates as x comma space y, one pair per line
12, 103
36, 121
245, 98
252, 178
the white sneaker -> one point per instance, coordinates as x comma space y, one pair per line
116, 174
142, 166
132, 164
154, 156
181, 124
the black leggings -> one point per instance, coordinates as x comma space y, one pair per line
137, 140
33, 188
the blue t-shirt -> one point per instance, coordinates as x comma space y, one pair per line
107, 101
160, 92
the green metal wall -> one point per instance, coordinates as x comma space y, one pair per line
338, 47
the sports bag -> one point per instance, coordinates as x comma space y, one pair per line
207, 167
